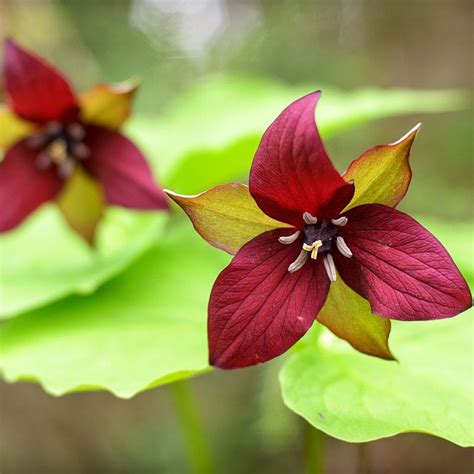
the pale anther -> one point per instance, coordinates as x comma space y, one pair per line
43, 161
57, 150
342, 247
36, 141
330, 267
340, 221
289, 239
80, 151
66, 168
53, 128
299, 262
76, 131
313, 248
309, 219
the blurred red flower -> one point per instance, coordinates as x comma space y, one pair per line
64, 147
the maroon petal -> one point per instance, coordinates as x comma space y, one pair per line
291, 172
36, 90
400, 267
122, 170
257, 309
23, 187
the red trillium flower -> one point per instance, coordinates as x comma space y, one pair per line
311, 244
68, 148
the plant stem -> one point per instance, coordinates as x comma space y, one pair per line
187, 413
363, 459
315, 447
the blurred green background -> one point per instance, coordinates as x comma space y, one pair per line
171, 45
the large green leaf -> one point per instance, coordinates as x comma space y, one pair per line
43, 260
358, 398
211, 134
144, 328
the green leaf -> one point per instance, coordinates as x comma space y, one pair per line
210, 136
359, 398
43, 260
142, 329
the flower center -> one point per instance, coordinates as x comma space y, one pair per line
60, 145
318, 238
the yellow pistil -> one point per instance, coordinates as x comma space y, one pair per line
57, 151
313, 248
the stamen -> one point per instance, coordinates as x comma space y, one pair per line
342, 247
76, 131
58, 151
341, 221
43, 161
80, 151
36, 141
313, 248
330, 267
309, 219
66, 168
53, 128
299, 262
289, 239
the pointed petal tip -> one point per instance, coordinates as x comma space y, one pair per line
133, 82
129, 86
409, 136
10, 47
388, 356
172, 194
9, 42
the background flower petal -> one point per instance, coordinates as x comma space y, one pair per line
349, 317
82, 203
122, 170
400, 267
108, 105
257, 309
226, 216
36, 90
291, 172
23, 187
12, 128
382, 174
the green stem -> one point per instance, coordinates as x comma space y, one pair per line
187, 413
315, 447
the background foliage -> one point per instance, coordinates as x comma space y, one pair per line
147, 324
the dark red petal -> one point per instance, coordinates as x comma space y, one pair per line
36, 90
257, 309
291, 172
400, 267
23, 187
122, 170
